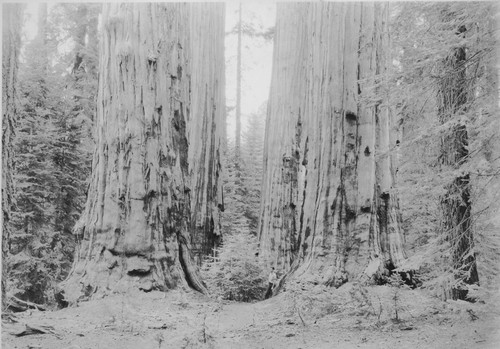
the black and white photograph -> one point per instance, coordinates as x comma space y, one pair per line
250, 174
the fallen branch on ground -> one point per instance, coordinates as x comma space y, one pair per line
15, 303
35, 329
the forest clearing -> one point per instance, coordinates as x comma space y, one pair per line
191, 320
251, 175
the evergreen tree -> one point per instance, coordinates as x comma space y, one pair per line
36, 187
52, 160
11, 35
447, 99
241, 188
240, 196
253, 151
234, 272
235, 194
244, 29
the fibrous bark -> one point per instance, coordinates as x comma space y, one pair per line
11, 30
330, 211
155, 193
456, 203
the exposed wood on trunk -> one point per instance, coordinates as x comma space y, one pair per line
153, 204
329, 209
456, 204
11, 30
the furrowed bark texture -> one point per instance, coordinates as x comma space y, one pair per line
456, 204
155, 193
11, 30
329, 212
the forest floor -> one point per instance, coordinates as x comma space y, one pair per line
315, 317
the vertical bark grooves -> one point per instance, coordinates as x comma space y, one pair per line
11, 37
327, 146
456, 203
153, 202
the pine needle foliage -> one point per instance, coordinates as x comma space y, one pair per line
234, 272
426, 37
253, 149
243, 179
52, 152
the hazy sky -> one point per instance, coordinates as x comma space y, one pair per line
30, 20
256, 58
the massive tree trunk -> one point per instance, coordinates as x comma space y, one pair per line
330, 211
456, 220
155, 193
11, 30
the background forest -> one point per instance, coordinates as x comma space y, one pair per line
54, 134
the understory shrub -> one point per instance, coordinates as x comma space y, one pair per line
234, 272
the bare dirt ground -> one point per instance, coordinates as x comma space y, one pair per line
349, 317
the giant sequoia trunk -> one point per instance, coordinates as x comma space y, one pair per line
155, 193
456, 203
11, 30
329, 211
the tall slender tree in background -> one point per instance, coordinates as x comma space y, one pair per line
329, 211
234, 272
11, 32
33, 175
53, 144
238, 96
242, 194
456, 205
74, 139
447, 97
253, 151
155, 191
42, 36
234, 183
239, 169
243, 28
